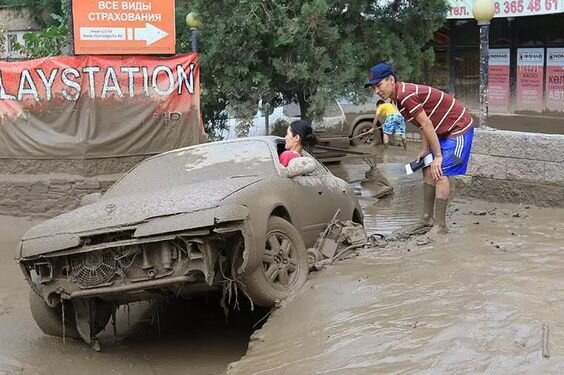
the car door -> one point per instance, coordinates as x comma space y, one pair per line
320, 198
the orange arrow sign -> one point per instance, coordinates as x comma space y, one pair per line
124, 27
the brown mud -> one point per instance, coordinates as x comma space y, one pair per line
183, 338
487, 298
478, 303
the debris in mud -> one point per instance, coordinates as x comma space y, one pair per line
338, 240
377, 181
545, 332
422, 241
483, 212
517, 214
520, 343
497, 246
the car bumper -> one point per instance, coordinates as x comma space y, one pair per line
134, 268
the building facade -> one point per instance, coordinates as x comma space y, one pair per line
526, 65
14, 24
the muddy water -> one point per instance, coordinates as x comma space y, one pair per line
402, 208
473, 305
187, 340
474, 302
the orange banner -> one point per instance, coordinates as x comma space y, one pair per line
71, 107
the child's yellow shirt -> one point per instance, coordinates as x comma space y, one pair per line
386, 109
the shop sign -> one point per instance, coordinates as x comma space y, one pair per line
124, 27
554, 99
498, 82
530, 72
462, 9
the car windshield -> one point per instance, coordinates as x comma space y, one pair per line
206, 162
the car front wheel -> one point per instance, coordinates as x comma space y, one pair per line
284, 266
50, 319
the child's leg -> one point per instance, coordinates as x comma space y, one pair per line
388, 129
401, 132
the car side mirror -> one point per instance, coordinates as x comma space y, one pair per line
301, 166
90, 198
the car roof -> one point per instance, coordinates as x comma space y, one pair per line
269, 140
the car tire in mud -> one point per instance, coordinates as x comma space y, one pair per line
367, 139
284, 267
49, 319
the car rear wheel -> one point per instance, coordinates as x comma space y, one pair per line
284, 266
360, 135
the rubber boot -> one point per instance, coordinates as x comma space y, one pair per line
440, 226
428, 205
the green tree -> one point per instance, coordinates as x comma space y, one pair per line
307, 51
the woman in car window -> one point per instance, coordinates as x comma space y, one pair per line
298, 135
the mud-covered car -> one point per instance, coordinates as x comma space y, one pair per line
187, 221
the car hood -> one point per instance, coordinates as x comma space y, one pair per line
128, 210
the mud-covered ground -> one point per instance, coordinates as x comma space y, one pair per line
472, 302
475, 303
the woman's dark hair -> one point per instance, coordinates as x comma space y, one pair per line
380, 102
305, 131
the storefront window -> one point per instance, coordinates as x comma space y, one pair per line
467, 82
531, 31
466, 33
437, 74
554, 25
500, 32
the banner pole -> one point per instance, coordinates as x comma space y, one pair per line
71, 29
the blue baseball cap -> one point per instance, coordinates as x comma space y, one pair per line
378, 72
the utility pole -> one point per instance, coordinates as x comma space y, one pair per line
266, 118
71, 30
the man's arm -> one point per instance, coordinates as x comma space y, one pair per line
432, 141
424, 146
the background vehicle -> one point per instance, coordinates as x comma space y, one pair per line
359, 120
204, 218
332, 129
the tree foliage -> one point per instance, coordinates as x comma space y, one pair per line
277, 51
308, 51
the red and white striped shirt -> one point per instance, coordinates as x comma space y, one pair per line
449, 117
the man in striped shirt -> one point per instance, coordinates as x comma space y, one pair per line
446, 131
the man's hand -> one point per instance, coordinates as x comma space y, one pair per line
422, 154
436, 169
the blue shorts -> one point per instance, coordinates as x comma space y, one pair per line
456, 153
394, 123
